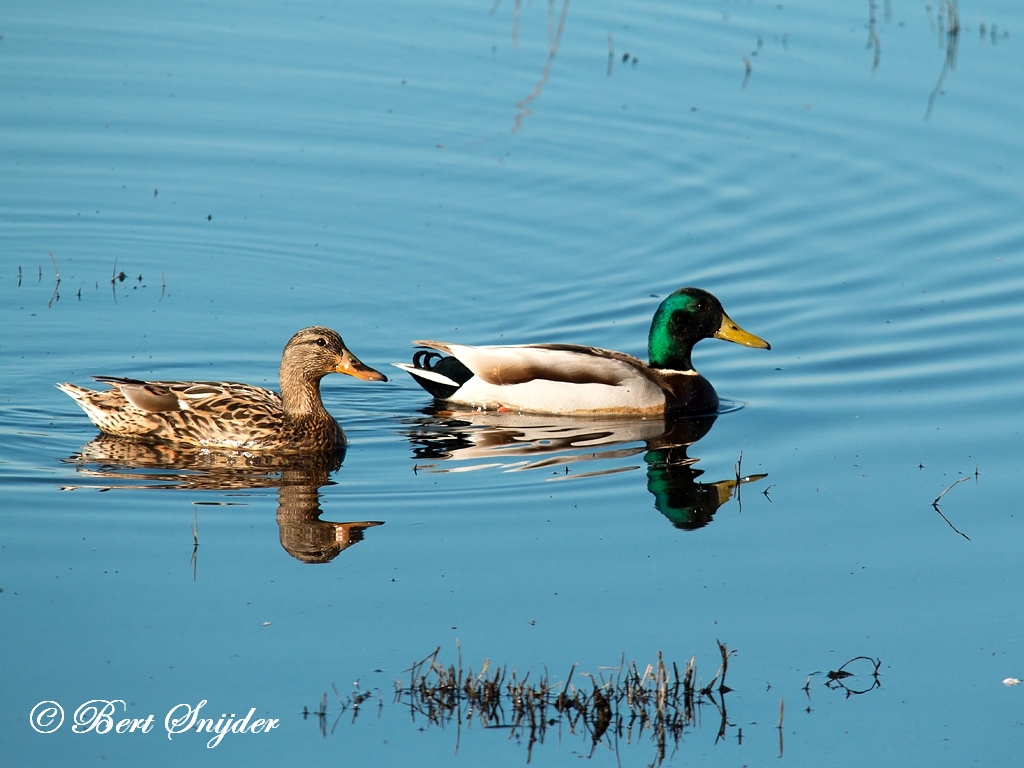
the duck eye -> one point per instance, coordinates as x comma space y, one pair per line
321, 342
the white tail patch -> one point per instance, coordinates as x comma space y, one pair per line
423, 373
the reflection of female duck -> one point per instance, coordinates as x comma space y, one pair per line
570, 379
303, 534
297, 477
231, 415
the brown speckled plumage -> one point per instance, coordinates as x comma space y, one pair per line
230, 415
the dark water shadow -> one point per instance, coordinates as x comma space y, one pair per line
111, 463
446, 440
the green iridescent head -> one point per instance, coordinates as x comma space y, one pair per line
684, 318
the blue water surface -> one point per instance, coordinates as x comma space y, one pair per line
211, 177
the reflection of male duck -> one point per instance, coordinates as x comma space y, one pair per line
672, 478
473, 440
298, 478
516, 441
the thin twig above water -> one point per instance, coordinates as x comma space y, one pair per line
935, 504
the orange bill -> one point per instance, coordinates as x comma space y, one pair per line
351, 365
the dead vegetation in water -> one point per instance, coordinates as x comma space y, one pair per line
116, 278
935, 503
656, 702
856, 682
620, 706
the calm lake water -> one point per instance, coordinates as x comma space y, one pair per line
846, 178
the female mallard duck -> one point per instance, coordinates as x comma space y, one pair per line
570, 379
229, 415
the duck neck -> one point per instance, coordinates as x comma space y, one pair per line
300, 394
664, 350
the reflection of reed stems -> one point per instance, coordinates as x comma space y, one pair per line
722, 687
656, 701
515, 23
56, 295
194, 562
782, 710
553, 44
952, 38
113, 280
515, 19
873, 41
836, 678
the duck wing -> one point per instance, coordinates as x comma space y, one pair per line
567, 363
170, 396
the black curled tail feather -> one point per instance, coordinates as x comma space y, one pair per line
450, 367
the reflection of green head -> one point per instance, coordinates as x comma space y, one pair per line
685, 502
672, 476
684, 318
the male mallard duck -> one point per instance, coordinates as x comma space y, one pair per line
570, 379
229, 415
